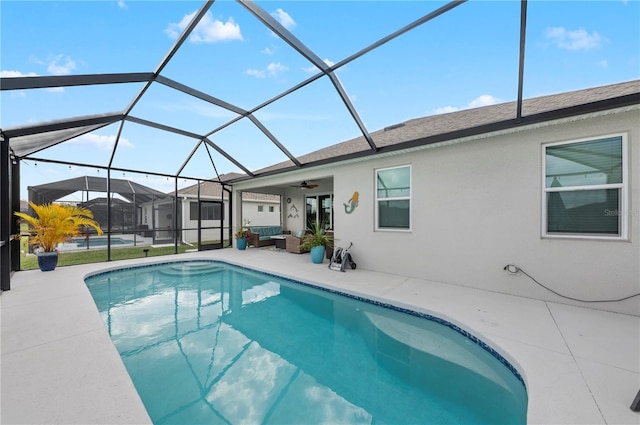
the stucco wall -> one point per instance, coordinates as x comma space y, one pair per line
476, 207
293, 214
251, 215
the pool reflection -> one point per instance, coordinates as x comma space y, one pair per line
243, 348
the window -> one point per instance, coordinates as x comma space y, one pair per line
260, 208
193, 210
271, 208
393, 198
584, 188
208, 211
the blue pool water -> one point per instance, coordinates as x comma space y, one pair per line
100, 241
208, 342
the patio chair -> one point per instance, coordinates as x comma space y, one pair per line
294, 243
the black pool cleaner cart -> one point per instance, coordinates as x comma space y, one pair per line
341, 259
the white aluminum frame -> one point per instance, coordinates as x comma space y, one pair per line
623, 213
377, 228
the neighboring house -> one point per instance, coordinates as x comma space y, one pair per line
455, 198
260, 209
123, 213
127, 211
257, 209
214, 210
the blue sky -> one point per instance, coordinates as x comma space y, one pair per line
466, 58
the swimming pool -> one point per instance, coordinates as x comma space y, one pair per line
208, 342
100, 241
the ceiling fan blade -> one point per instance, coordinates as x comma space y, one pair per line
305, 185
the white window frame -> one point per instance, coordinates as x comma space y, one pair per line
393, 198
623, 187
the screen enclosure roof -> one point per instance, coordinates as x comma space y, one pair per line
242, 89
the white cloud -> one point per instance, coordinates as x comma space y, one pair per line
603, 64
15, 74
484, 100
274, 68
578, 39
104, 143
268, 51
122, 4
61, 65
311, 69
284, 18
208, 30
255, 73
445, 110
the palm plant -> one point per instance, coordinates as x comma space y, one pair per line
317, 236
242, 233
56, 223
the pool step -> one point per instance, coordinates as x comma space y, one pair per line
192, 268
436, 343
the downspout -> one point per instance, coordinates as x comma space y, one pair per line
229, 193
182, 239
135, 213
153, 219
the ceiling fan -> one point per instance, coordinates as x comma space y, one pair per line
305, 185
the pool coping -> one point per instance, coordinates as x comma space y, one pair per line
460, 329
568, 379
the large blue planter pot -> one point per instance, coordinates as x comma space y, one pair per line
47, 261
241, 243
317, 254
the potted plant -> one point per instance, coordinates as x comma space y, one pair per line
242, 237
53, 224
317, 240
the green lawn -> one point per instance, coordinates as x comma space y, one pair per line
99, 255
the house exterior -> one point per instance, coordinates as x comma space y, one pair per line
555, 201
261, 209
257, 209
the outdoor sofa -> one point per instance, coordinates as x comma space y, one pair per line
261, 235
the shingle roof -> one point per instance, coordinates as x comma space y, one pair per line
430, 129
214, 190
207, 189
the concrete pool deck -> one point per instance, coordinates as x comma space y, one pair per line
58, 364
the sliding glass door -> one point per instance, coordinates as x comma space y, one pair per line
319, 209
